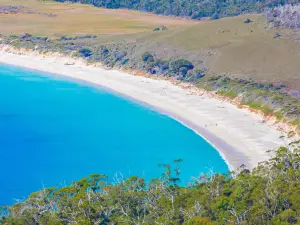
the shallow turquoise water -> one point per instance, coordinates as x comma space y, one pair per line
53, 131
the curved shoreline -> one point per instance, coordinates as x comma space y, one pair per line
239, 136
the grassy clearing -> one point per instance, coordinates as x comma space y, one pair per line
227, 46
77, 19
230, 94
267, 111
278, 115
296, 122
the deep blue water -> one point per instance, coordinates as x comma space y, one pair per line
53, 131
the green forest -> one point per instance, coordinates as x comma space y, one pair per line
195, 9
269, 194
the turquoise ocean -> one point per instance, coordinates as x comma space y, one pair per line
54, 130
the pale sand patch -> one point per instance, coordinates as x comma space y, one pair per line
239, 135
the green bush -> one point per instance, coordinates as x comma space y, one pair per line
85, 52
177, 64
247, 198
147, 57
104, 51
230, 94
200, 221
161, 64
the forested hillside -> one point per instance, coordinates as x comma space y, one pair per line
252, 60
268, 195
195, 9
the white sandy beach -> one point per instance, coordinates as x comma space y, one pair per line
239, 135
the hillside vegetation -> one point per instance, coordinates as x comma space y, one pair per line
269, 194
287, 16
195, 9
55, 19
246, 57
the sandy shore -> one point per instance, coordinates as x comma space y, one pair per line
240, 136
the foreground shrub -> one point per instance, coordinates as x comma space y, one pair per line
270, 194
176, 65
85, 52
147, 57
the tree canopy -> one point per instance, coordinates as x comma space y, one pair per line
270, 194
195, 9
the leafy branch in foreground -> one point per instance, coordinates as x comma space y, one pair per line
270, 194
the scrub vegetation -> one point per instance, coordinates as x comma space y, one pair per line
195, 9
287, 16
253, 58
269, 194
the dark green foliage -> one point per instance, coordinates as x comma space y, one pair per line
183, 71
158, 66
199, 74
270, 194
119, 55
195, 9
85, 52
147, 57
124, 61
162, 28
26, 35
65, 38
200, 221
277, 35
105, 51
248, 21
177, 65
195, 76
162, 64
